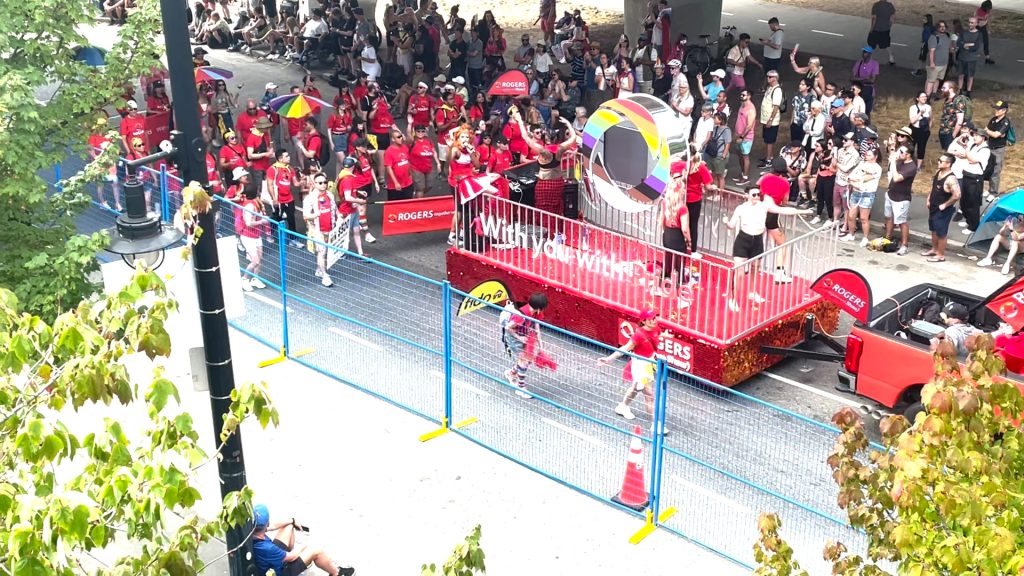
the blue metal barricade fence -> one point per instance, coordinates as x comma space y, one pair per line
713, 458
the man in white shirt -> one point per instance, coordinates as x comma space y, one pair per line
312, 31
369, 63
773, 45
975, 155
705, 124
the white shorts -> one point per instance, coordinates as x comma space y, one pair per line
252, 246
898, 211
442, 152
642, 373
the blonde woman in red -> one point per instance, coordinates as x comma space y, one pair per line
462, 162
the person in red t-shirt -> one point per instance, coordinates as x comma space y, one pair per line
258, 148
250, 234
98, 142
158, 101
421, 105
446, 117
364, 155
296, 133
699, 181
246, 120
501, 157
423, 159
379, 117
639, 374
351, 200
339, 124
231, 156
279, 181
345, 95
213, 172
776, 186
309, 147
521, 336
483, 149
397, 168
132, 126
513, 134
319, 211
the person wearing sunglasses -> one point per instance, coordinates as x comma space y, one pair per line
319, 211
750, 218
397, 168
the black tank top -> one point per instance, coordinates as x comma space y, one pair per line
938, 194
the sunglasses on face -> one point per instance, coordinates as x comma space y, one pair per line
321, 182
755, 195
251, 109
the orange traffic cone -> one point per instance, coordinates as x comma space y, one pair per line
634, 491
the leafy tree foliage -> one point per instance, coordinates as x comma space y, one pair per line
69, 492
946, 495
45, 263
466, 560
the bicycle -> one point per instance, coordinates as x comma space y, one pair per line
698, 59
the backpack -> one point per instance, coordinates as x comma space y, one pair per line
1011, 136
323, 155
930, 311
968, 107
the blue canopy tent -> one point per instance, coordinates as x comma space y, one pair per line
91, 56
1011, 204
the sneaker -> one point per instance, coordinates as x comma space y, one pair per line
734, 306
624, 411
764, 163
1005, 269
985, 262
989, 197
369, 238
781, 277
347, 571
902, 251
847, 237
962, 223
757, 298
510, 375
326, 281
318, 273
664, 431
966, 231
451, 238
246, 285
864, 242
816, 220
522, 393
741, 180
257, 283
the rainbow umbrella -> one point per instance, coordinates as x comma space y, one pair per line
297, 105
212, 74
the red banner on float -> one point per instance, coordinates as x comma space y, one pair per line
418, 215
511, 83
847, 289
672, 349
1008, 303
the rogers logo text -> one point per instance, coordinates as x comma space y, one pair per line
420, 215
855, 302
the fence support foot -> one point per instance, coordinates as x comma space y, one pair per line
281, 357
444, 429
649, 525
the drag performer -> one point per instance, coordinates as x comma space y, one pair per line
462, 162
638, 374
522, 340
676, 235
750, 217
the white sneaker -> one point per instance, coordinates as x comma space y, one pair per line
966, 231
326, 281
756, 298
257, 283
847, 238
902, 251
451, 239
985, 262
624, 411
781, 277
989, 197
246, 286
1005, 269
815, 221
962, 224
369, 238
522, 393
734, 305
318, 273
864, 242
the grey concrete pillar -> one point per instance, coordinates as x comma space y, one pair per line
691, 17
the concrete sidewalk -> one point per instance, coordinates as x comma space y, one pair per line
840, 36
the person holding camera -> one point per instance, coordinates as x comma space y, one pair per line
280, 554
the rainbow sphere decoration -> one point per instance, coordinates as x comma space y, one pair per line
664, 134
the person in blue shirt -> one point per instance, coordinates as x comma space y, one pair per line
280, 554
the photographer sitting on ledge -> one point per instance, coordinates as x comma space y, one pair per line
280, 554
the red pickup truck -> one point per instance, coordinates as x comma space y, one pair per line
888, 359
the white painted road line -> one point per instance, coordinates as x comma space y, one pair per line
827, 33
714, 495
461, 384
727, 14
574, 432
356, 339
813, 390
1019, 60
265, 300
898, 44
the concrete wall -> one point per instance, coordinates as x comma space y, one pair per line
692, 17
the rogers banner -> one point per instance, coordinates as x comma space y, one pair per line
1008, 303
674, 350
418, 215
511, 83
847, 289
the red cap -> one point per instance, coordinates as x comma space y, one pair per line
648, 314
678, 167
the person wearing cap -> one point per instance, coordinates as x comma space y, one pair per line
280, 179
675, 70
865, 71
737, 59
199, 57
246, 120
461, 92
158, 100
710, 91
661, 83
352, 202
776, 186
132, 126
639, 371
521, 336
643, 58
957, 318
259, 149
997, 129
1009, 236
839, 123
250, 225
422, 159
771, 116
269, 93
975, 155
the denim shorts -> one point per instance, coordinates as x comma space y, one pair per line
862, 199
